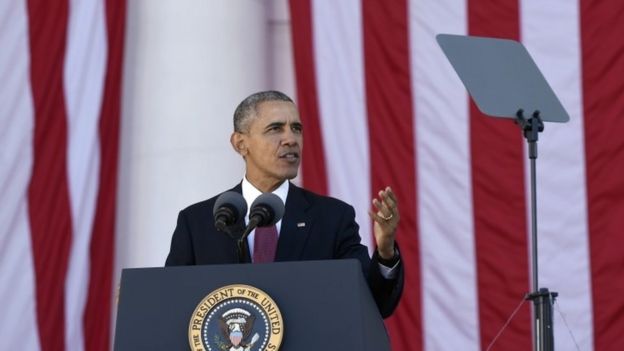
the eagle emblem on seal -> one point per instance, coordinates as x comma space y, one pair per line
236, 326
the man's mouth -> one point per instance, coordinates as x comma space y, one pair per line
290, 156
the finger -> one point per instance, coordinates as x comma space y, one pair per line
391, 194
388, 201
391, 208
377, 204
380, 216
390, 197
377, 218
385, 197
382, 209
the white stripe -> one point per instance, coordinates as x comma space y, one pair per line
340, 78
450, 312
83, 81
551, 34
18, 329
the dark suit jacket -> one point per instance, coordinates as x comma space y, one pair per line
330, 232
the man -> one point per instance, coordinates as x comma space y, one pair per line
268, 134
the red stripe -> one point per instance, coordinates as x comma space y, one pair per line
313, 166
97, 314
603, 101
48, 192
499, 200
391, 133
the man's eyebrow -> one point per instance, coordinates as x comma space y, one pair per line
282, 124
274, 124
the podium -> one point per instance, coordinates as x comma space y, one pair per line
325, 305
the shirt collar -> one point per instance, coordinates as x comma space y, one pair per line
250, 192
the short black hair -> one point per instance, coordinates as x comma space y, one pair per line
248, 107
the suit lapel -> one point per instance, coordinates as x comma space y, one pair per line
295, 226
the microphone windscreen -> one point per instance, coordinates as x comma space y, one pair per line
233, 201
271, 202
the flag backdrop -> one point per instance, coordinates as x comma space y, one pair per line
60, 74
382, 106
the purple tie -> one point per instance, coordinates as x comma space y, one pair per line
265, 244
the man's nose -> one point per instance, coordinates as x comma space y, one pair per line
290, 137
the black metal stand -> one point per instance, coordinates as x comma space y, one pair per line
542, 298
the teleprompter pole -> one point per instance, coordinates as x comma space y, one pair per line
542, 298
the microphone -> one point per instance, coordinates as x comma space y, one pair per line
266, 210
229, 208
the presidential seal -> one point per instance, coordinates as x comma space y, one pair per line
236, 318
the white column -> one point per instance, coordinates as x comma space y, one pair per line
187, 65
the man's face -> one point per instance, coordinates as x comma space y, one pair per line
271, 144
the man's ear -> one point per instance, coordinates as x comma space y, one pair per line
239, 143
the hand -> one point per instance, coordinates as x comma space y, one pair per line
386, 221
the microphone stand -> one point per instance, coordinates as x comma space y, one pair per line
542, 298
242, 253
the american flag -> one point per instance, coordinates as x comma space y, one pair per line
60, 67
381, 106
